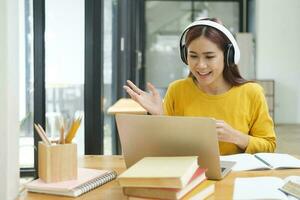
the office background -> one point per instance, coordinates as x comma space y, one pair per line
80, 64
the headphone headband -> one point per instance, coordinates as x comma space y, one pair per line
218, 27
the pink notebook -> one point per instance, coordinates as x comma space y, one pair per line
87, 180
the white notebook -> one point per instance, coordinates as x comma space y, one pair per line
88, 179
265, 187
260, 161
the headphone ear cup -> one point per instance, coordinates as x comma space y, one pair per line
183, 54
229, 57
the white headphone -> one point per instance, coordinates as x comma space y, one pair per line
233, 51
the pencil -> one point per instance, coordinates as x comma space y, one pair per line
42, 136
44, 133
73, 130
62, 134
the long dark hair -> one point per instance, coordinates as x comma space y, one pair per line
231, 73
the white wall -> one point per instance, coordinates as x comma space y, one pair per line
9, 148
246, 63
278, 53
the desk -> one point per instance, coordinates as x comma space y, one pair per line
126, 106
111, 190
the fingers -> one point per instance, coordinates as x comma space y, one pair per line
219, 123
221, 138
221, 135
220, 130
152, 89
134, 87
131, 93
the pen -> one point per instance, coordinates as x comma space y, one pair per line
263, 161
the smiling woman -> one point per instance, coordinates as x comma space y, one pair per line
206, 64
215, 89
220, 51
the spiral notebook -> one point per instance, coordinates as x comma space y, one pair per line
88, 179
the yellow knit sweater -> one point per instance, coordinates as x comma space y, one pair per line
243, 107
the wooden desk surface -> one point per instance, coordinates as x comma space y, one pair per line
126, 106
111, 190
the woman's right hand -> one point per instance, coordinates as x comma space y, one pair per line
151, 101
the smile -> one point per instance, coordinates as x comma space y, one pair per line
204, 73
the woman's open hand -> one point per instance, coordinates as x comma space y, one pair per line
151, 101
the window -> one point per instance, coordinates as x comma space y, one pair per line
64, 66
26, 156
110, 7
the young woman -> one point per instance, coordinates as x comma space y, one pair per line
215, 89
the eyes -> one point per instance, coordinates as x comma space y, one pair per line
196, 56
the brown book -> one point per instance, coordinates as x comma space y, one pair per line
163, 172
167, 193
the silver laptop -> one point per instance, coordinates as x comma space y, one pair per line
152, 135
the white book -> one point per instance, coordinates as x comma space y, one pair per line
265, 187
164, 172
261, 161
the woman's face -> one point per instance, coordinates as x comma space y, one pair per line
206, 62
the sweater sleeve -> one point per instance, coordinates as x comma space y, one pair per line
262, 134
168, 102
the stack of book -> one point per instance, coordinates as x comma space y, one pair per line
166, 178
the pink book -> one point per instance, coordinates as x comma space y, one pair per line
88, 179
167, 193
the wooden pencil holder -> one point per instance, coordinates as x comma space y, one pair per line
57, 162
